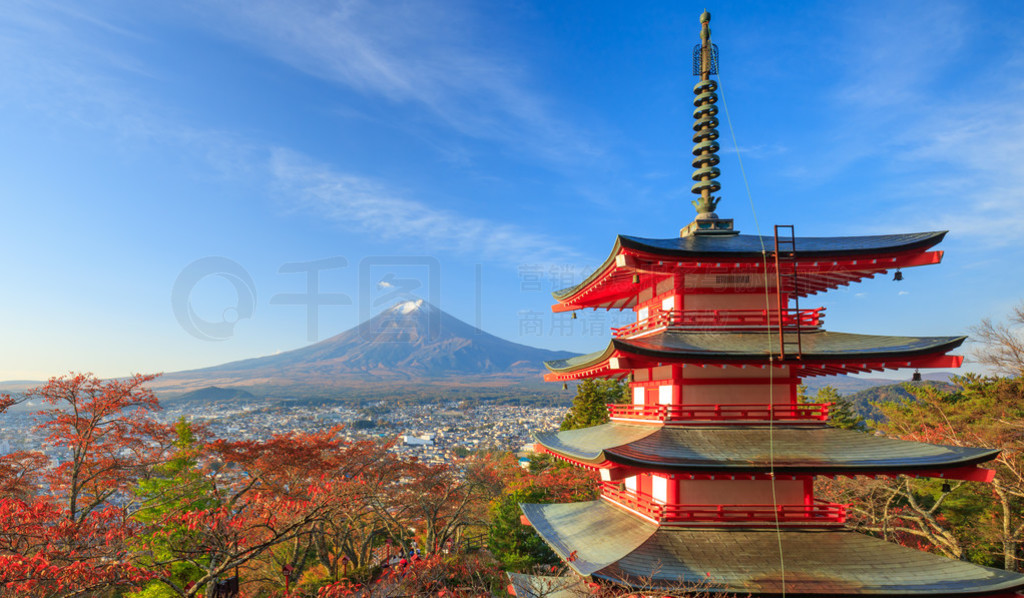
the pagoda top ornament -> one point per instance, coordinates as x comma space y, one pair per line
705, 135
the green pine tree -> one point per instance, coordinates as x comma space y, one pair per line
516, 546
177, 486
590, 406
842, 413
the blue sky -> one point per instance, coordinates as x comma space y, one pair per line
472, 149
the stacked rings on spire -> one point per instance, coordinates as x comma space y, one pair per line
704, 136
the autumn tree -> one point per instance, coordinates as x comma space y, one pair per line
106, 428
19, 470
1000, 345
984, 411
907, 511
261, 495
352, 534
462, 576
72, 541
45, 554
441, 502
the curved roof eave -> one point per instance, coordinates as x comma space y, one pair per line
589, 445
600, 540
750, 246
798, 450
581, 361
911, 346
570, 291
751, 346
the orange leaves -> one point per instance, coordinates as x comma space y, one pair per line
339, 589
107, 428
45, 553
6, 402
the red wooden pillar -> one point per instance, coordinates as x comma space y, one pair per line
672, 490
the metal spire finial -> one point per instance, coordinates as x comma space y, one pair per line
705, 64
705, 150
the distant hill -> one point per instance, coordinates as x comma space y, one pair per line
216, 393
851, 384
864, 401
411, 349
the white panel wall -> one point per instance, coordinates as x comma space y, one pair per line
659, 489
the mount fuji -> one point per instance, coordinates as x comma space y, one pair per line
411, 347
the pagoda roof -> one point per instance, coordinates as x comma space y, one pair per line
750, 246
599, 540
822, 353
822, 263
755, 449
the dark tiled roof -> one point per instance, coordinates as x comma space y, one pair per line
589, 444
599, 534
608, 543
797, 449
749, 246
817, 345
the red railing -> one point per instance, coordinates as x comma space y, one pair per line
818, 512
728, 319
808, 412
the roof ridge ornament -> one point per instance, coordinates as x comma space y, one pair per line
705, 150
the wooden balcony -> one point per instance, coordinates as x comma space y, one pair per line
723, 319
749, 412
817, 513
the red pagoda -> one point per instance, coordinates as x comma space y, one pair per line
708, 476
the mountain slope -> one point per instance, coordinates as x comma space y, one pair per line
410, 343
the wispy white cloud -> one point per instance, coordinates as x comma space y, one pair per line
977, 188
48, 63
412, 53
80, 84
371, 207
944, 144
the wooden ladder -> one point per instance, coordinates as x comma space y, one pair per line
785, 272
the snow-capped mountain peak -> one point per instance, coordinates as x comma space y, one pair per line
407, 307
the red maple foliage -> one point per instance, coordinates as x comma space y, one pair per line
106, 426
72, 541
46, 554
